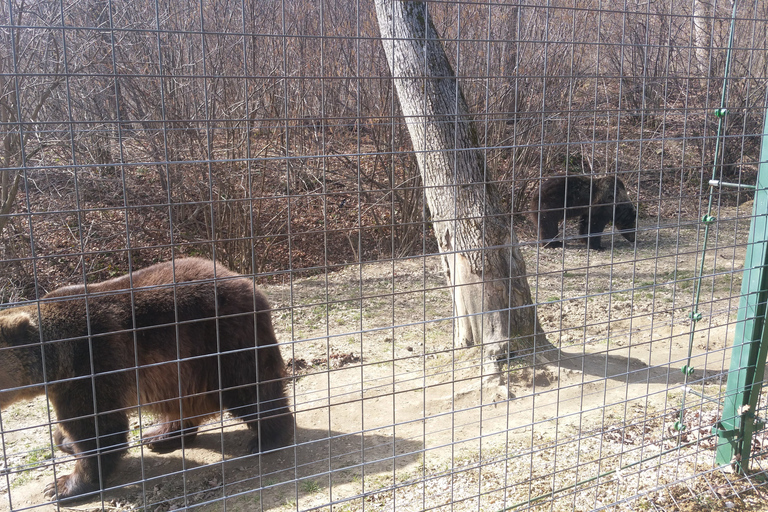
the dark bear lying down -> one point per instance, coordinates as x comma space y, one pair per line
597, 201
190, 366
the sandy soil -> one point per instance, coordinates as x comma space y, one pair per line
396, 418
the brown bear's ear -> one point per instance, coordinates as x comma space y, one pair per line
16, 328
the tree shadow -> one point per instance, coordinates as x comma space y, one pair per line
627, 369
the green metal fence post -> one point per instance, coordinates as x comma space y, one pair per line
750, 343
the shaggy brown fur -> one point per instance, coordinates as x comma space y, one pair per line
597, 201
158, 325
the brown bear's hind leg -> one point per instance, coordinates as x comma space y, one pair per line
167, 436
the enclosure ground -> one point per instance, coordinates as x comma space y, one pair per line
397, 418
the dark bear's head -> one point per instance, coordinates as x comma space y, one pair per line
19, 355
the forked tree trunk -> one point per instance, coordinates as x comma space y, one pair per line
478, 246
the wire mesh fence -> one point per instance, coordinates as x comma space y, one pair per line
273, 138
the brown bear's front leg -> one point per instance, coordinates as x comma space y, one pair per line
69, 487
273, 432
89, 452
271, 419
167, 436
62, 442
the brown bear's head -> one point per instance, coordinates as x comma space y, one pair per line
20, 363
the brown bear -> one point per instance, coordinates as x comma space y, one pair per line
183, 340
597, 201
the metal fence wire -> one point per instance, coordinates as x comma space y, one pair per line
302, 255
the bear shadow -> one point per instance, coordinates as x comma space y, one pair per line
216, 466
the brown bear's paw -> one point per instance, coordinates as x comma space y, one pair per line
268, 444
63, 442
167, 437
276, 432
69, 487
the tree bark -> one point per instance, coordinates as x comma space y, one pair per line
700, 29
478, 245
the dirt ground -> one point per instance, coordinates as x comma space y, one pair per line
391, 416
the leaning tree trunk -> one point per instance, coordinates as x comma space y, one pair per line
478, 246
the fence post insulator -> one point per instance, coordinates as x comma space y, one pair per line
721, 112
708, 219
687, 370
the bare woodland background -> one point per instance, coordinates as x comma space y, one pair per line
267, 134
269, 131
